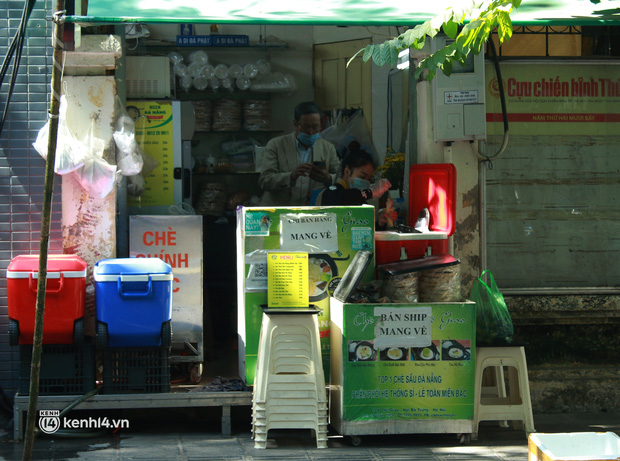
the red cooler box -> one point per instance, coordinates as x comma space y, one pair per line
64, 299
431, 186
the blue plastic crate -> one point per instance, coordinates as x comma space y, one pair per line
134, 300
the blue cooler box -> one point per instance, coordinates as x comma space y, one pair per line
134, 301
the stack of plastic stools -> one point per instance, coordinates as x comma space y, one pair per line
289, 388
516, 405
67, 356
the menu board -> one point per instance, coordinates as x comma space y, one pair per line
154, 134
287, 275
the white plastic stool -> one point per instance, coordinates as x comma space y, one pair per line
494, 388
289, 388
515, 406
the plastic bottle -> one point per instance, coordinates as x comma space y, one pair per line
221, 71
210, 164
234, 71
201, 83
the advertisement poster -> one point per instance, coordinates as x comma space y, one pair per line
555, 99
332, 239
176, 240
154, 135
406, 361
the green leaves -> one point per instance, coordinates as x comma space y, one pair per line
450, 28
485, 17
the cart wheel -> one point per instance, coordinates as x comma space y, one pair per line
78, 332
13, 332
355, 440
195, 374
166, 335
102, 335
464, 439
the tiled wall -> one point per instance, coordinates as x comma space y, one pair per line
22, 169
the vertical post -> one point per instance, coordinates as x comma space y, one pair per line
45, 229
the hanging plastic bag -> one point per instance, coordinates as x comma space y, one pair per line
97, 176
81, 157
129, 157
350, 136
493, 323
70, 152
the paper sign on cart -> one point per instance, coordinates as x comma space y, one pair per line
403, 327
313, 233
287, 275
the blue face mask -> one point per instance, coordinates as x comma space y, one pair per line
359, 183
308, 139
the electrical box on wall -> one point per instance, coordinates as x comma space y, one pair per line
459, 112
148, 77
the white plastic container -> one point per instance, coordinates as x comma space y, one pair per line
574, 446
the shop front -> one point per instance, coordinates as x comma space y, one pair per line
392, 368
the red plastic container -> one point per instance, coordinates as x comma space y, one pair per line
64, 297
431, 186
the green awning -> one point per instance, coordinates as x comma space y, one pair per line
334, 12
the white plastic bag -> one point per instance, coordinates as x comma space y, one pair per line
97, 176
128, 155
70, 152
350, 135
81, 157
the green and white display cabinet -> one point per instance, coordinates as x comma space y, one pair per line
331, 236
402, 368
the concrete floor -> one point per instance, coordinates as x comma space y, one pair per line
194, 434
187, 434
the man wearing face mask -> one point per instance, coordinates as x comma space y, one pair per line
296, 163
354, 187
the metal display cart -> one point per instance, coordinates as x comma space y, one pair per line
402, 368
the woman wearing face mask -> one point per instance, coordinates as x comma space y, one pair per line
354, 187
296, 163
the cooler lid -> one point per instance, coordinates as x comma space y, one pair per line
71, 266
433, 186
419, 264
131, 266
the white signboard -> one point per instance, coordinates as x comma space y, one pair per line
311, 233
460, 97
176, 240
403, 327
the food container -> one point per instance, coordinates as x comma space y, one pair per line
226, 115
434, 278
211, 199
64, 298
203, 111
256, 114
134, 302
574, 446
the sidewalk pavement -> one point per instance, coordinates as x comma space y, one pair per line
195, 434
